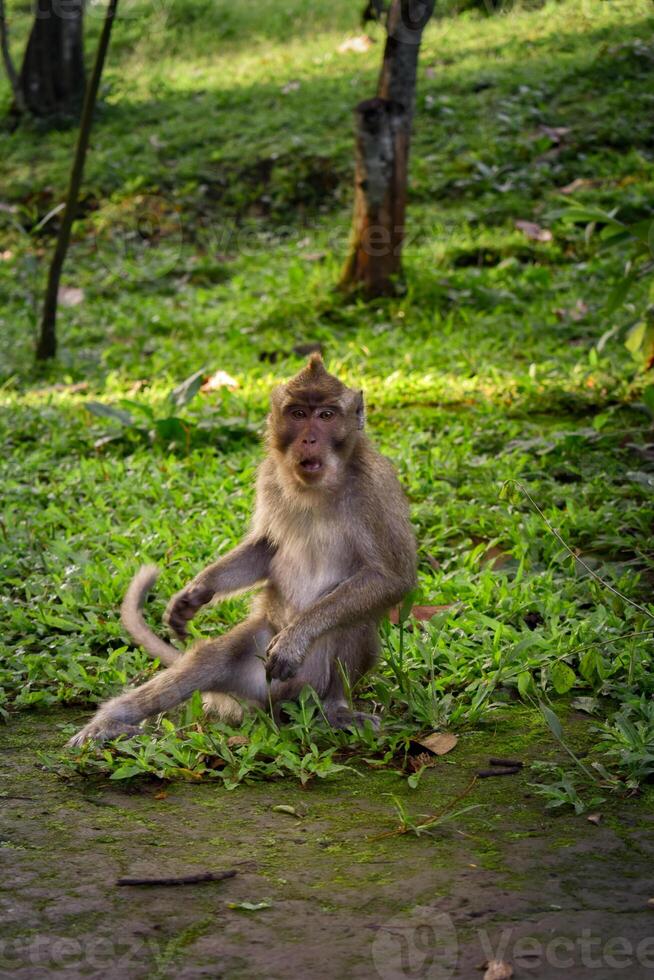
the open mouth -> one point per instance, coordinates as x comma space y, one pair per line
310, 465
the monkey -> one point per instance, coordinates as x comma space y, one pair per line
331, 549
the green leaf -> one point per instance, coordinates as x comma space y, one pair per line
563, 678
171, 430
618, 294
635, 337
588, 665
553, 722
126, 771
109, 412
187, 390
648, 399
526, 685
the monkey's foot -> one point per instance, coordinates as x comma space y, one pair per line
222, 707
343, 718
102, 730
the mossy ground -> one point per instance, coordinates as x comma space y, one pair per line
335, 888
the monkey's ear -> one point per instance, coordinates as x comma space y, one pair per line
360, 410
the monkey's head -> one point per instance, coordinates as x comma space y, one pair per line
314, 425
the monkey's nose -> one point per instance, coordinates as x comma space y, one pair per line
309, 442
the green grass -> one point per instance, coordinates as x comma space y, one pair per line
214, 222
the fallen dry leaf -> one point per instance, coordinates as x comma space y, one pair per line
555, 133
359, 44
70, 295
162, 795
285, 808
533, 231
438, 743
579, 183
498, 970
576, 313
290, 87
234, 741
594, 818
495, 557
220, 379
422, 613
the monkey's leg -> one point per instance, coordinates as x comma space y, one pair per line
232, 664
342, 656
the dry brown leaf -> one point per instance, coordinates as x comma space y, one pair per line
498, 970
576, 313
594, 818
162, 795
555, 133
359, 44
234, 741
438, 743
70, 295
579, 183
495, 557
533, 231
220, 379
422, 613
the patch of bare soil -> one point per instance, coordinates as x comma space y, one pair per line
314, 896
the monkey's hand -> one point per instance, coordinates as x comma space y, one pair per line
183, 607
284, 655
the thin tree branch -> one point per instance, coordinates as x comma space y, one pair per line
47, 345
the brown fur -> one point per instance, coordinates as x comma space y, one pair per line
332, 546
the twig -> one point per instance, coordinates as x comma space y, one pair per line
557, 535
510, 763
499, 771
181, 880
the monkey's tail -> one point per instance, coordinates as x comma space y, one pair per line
131, 614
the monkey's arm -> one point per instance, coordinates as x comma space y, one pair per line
245, 566
367, 593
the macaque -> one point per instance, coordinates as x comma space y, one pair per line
332, 548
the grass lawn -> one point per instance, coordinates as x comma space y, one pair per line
213, 225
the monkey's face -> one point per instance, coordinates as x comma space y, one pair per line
315, 440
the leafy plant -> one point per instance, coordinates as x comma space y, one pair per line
628, 740
562, 789
140, 419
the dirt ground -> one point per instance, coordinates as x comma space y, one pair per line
551, 894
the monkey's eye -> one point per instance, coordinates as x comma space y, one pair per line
327, 415
299, 413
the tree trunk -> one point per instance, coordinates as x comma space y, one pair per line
383, 134
47, 344
7, 60
52, 75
